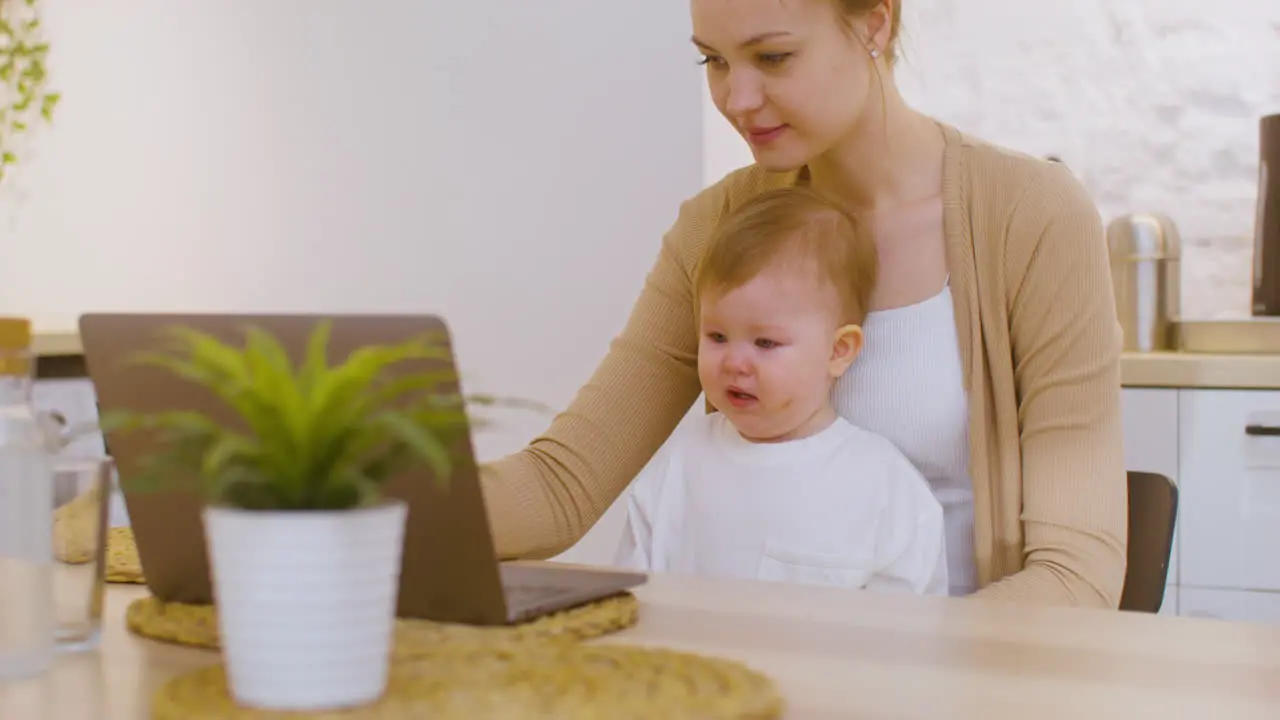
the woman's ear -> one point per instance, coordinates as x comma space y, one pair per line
845, 349
877, 26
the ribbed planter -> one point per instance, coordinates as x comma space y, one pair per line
306, 603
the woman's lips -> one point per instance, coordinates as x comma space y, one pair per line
764, 135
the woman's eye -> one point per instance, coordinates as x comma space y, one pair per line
710, 60
773, 58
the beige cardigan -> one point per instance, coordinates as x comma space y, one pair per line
1041, 350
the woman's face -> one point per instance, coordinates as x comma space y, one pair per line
787, 74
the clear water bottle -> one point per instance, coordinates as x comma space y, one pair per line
26, 521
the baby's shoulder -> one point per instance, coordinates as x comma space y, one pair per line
854, 438
872, 452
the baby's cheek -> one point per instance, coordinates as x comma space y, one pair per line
706, 364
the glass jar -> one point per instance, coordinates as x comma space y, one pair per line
27, 618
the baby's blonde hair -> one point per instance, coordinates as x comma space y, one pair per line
792, 224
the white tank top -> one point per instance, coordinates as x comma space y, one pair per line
908, 385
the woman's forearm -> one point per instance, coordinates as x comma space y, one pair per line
544, 498
1096, 583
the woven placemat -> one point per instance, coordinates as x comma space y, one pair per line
516, 682
74, 525
197, 626
123, 564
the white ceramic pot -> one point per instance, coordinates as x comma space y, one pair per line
306, 603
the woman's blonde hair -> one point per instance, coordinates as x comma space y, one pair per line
792, 225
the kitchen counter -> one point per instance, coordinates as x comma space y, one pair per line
56, 343
1162, 369
1195, 370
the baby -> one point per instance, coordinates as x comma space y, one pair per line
777, 486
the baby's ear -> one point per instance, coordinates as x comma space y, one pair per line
845, 349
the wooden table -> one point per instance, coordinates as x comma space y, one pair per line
834, 654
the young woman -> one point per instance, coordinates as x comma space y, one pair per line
992, 353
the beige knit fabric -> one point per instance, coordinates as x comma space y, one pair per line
1041, 350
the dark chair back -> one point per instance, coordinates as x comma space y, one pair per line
1153, 513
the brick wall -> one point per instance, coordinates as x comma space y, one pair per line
1153, 103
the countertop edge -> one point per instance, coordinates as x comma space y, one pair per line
56, 343
1137, 370
1200, 371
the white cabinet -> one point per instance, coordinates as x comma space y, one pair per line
1222, 448
75, 400
1229, 459
1236, 605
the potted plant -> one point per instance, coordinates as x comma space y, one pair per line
304, 549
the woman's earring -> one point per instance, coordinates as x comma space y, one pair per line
875, 53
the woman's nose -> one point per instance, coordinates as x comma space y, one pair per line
743, 96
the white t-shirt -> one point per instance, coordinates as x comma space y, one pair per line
842, 507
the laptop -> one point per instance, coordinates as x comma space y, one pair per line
449, 572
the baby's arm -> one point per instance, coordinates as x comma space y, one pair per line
911, 551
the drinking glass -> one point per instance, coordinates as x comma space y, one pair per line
26, 567
82, 490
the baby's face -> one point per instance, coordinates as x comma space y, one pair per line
766, 354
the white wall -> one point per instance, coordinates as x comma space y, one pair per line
509, 164
1154, 103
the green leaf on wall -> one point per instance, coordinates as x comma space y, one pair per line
23, 77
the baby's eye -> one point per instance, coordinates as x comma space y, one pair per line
766, 343
716, 337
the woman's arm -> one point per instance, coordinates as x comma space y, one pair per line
543, 498
1066, 345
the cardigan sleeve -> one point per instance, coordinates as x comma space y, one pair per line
543, 498
1066, 344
